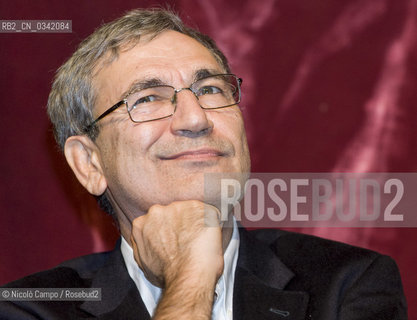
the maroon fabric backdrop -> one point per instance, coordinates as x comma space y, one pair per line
328, 86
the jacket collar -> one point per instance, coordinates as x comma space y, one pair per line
120, 298
260, 280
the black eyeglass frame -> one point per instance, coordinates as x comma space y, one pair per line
173, 101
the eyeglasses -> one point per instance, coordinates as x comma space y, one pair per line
157, 102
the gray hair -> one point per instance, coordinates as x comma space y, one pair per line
72, 97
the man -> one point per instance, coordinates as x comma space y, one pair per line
143, 109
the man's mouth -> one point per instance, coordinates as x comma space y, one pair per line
199, 154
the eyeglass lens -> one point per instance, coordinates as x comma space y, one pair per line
157, 102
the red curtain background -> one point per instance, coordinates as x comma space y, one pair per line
328, 86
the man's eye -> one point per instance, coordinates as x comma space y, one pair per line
146, 99
208, 90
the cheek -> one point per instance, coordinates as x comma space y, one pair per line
243, 148
145, 136
230, 125
126, 148
244, 151
137, 139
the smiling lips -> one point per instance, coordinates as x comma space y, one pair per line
200, 154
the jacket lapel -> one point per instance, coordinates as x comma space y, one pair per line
259, 293
260, 280
120, 298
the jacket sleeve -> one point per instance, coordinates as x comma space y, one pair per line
376, 294
12, 311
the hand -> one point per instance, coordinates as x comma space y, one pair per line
179, 241
179, 248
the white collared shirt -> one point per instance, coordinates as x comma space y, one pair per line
223, 304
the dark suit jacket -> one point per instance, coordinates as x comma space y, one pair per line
279, 275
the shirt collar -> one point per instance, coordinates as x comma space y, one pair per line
223, 305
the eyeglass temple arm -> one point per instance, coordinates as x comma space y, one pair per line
107, 112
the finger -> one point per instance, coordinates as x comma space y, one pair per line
135, 251
136, 239
212, 216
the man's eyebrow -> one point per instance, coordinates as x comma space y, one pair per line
151, 82
142, 84
202, 73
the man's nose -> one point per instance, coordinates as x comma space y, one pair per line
189, 119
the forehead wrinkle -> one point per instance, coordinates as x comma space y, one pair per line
154, 46
140, 84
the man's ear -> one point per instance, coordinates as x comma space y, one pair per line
83, 157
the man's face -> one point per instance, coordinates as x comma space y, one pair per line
162, 161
